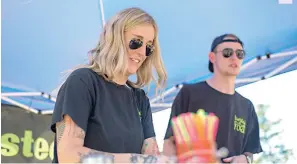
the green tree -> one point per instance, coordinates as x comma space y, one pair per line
270, 133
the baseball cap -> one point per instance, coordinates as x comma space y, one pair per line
221, 39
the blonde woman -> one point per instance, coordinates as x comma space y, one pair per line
99, 113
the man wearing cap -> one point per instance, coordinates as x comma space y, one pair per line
238, 126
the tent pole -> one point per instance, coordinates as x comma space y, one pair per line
47, 112
283, 54
276, 55
247, 80
280, 68
159, 110
102, 13
248, 64
19, 105
167, 92
20, 94
270, 74
23, 94
167, 105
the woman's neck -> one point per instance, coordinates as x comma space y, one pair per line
121, 80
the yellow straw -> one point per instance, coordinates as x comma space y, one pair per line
202, 114
177, 133
200, 127
183, 130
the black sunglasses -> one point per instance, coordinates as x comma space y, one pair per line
137, 43
228, 52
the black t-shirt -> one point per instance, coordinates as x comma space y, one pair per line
238, 129
116, 118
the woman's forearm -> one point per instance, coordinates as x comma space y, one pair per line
70, 141
86, 155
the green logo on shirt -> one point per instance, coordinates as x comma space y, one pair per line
239, 124
140, 115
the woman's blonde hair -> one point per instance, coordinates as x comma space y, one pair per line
108, 58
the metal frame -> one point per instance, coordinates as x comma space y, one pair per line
47, 112
102, 13
161, 105
19, 104
169, 91
24, 94
5, 97
272, 73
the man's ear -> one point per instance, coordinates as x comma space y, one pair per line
211, 57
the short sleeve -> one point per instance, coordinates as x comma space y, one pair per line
147, 119
253, 144
179, 106
75, 98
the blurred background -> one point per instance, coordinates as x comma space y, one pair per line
42, 39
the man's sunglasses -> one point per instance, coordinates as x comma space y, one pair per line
228, 52
137, 43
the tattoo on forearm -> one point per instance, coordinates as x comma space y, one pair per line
144, 147
150, 146
76, 131
171, 159
136, 158
60, 130
79, 133
96, 157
